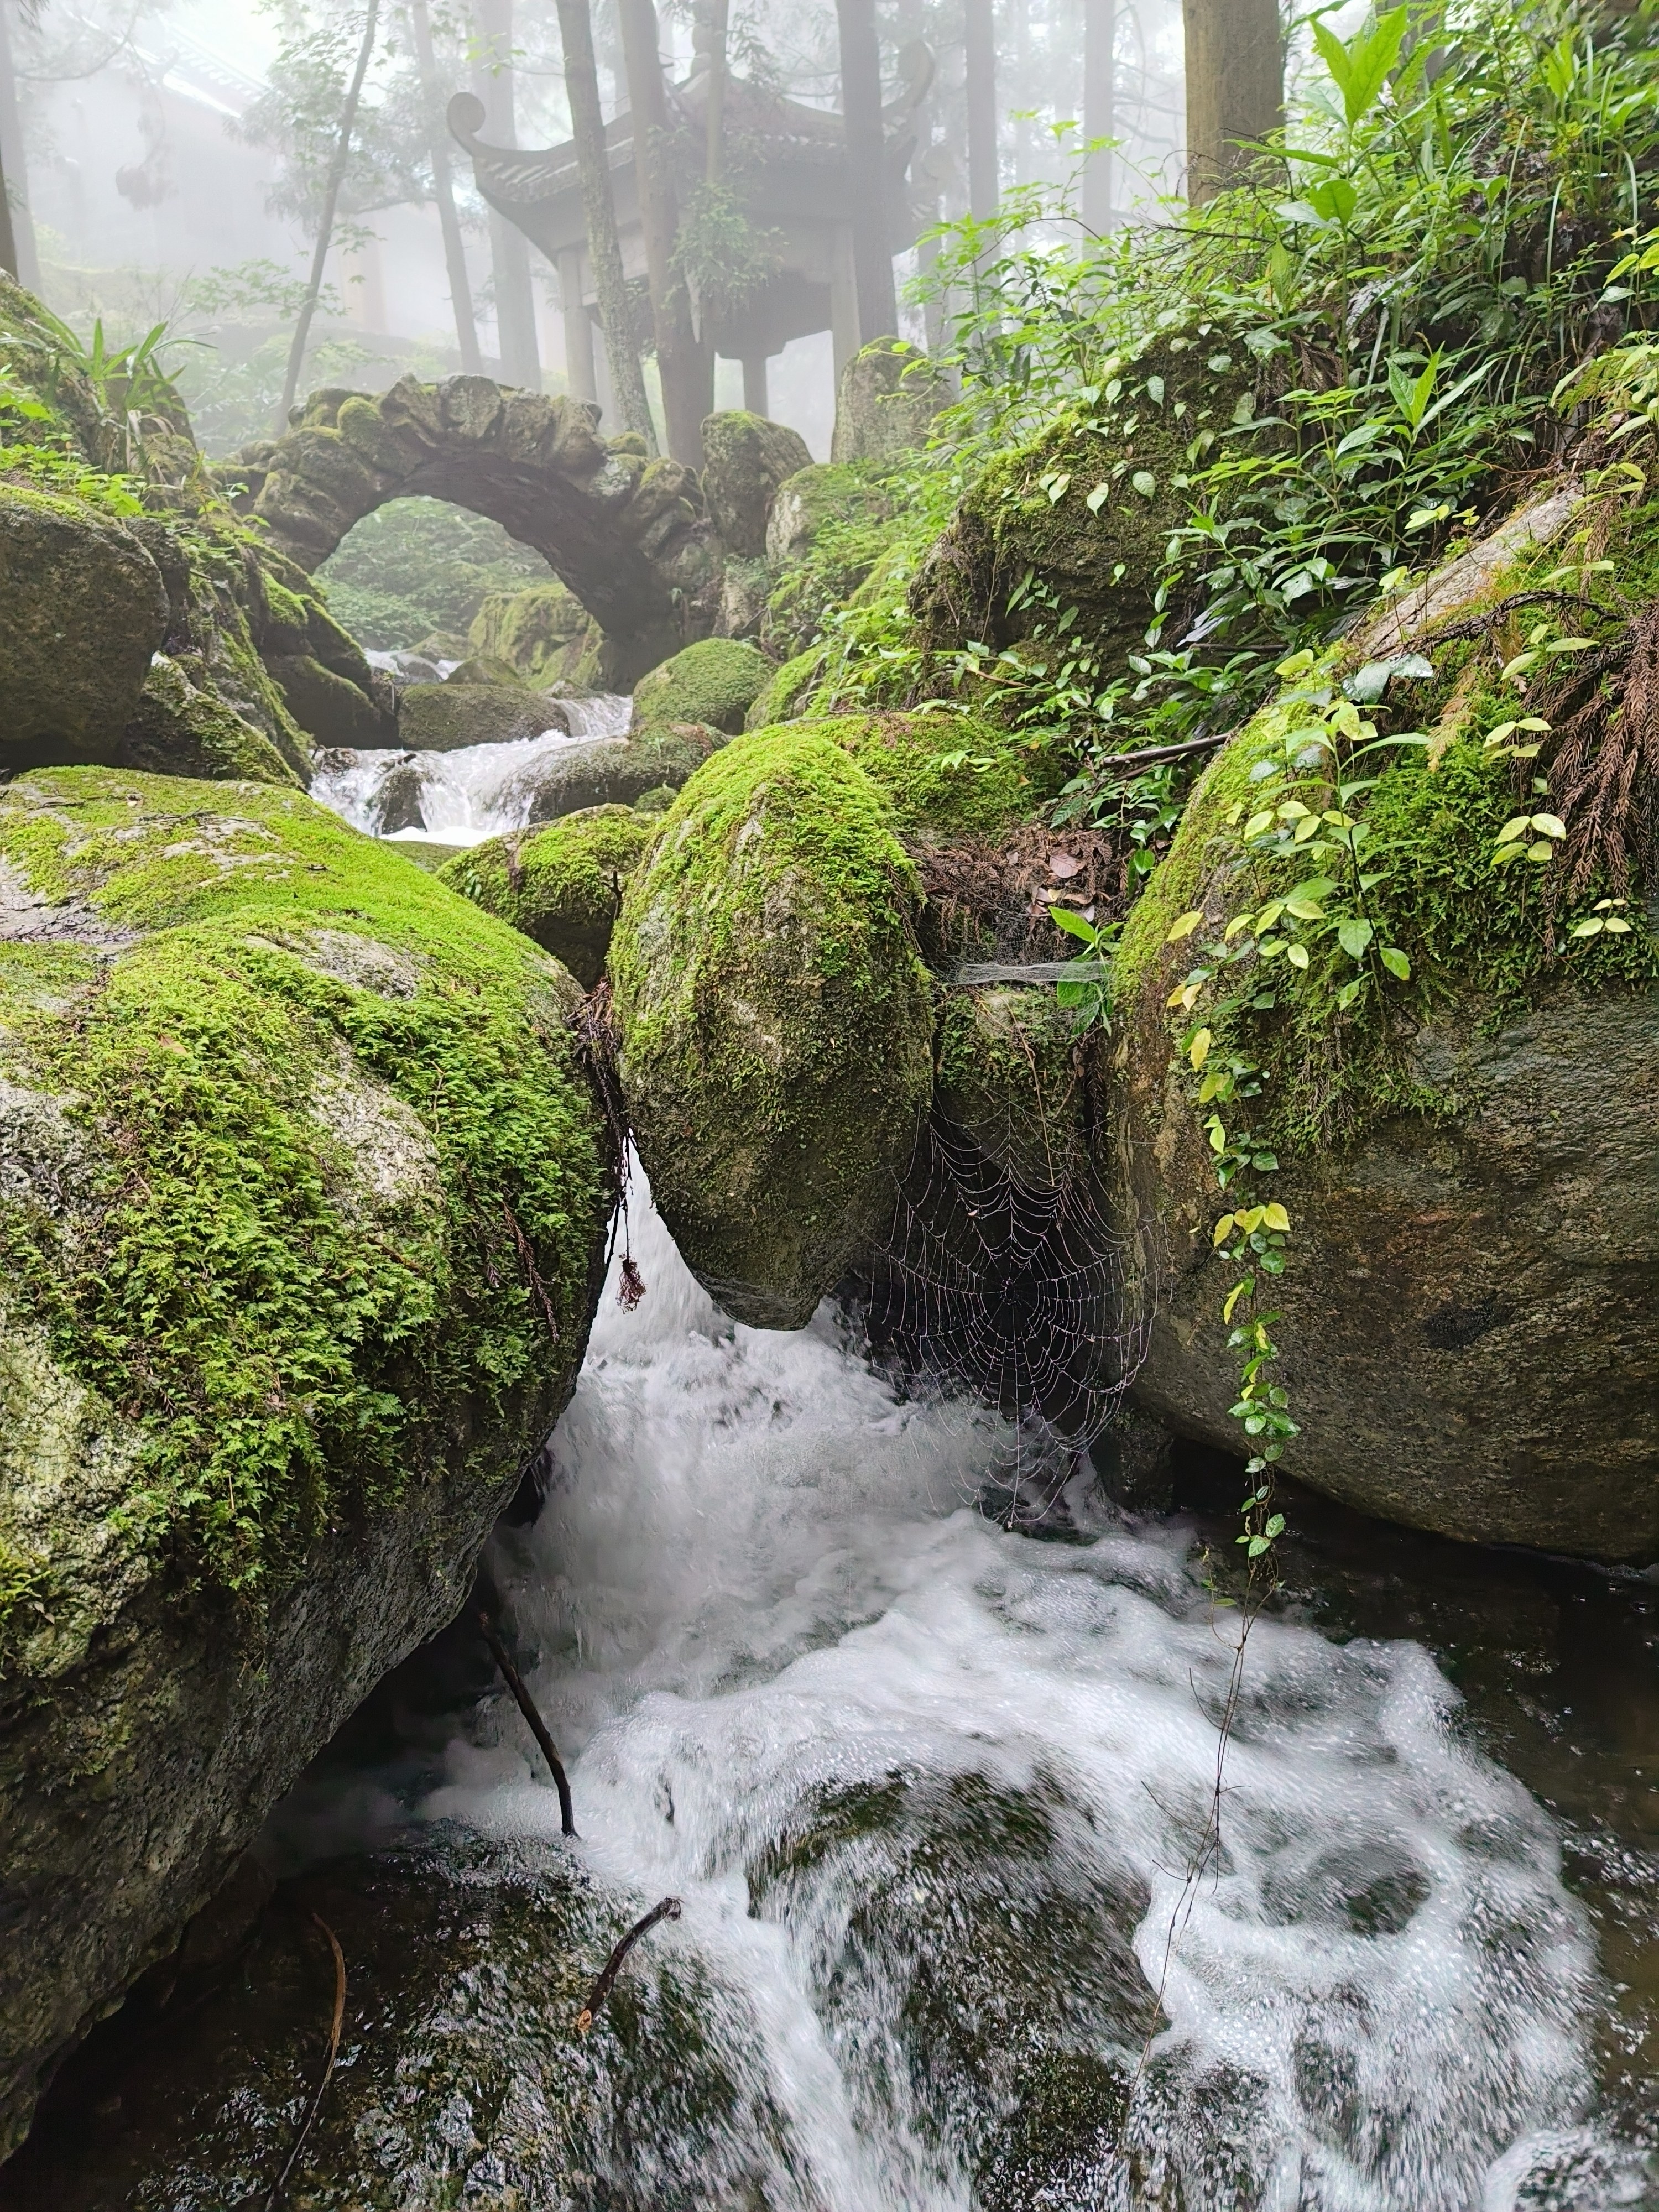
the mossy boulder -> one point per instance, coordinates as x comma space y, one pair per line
542, 632
85, 608
776, 1019
441, 718
1030, 512
888, 394
1011, 1075
1466, 1154
608, 771
485, 668
561, 885
828, 529
306, 1205
714, 681
330, 707
785, 692
947, 777
745, 459
181, 729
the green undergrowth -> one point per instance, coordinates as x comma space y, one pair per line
301, 1319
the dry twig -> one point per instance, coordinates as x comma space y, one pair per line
317, 2094
668, 1910
526, 1705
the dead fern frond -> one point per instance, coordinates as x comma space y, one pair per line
1604, 768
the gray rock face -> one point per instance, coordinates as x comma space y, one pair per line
746, 458
85, 608
1467, 1334
441, 718
610, 771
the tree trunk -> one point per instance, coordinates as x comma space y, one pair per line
336, 169
980, 38
581, 79
718, 18
685, 367
1099, 111
460, 285
1235, 88
20, 257
509, 249
866, 157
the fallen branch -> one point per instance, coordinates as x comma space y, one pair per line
1150, 756
668, 1910
1476, 625
526, 1705
317, 2094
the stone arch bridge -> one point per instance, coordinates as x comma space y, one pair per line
628, 535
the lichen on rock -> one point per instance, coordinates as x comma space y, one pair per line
776, 1019
745, 459
561, 885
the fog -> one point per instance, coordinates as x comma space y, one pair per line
166, 165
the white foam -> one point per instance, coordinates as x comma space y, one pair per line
757, 1577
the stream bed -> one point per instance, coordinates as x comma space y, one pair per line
929, 1792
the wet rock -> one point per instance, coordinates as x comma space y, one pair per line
485, 668
542, 632
329, 707
398, 800
608, 771
889, 394
277, 1339
745, 459
715, 682
561, 885
85, 608
441, 718
1012, 1076
179, 730
776, 1022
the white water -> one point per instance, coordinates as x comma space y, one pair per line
472, 792
759, 1577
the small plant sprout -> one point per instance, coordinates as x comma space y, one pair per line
1528, 836
1604, 919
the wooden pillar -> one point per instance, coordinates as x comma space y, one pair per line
1099, 116
578, 329
843, 301
754, 383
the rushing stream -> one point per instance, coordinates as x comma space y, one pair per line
472, 792
928, 1792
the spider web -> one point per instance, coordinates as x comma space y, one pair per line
1017, 1289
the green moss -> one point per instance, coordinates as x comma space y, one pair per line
301, 1316
714, 681
181, 729
829, 526
945, 776
561, 885
1009, 1070
784, 690
775, 1018
1029, 516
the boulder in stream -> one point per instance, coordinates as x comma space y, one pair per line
304, 1216
776, 1019
443, 718
608, 771
562, 885
714, 681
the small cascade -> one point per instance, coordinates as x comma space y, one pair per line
461, 797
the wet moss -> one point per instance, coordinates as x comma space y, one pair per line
947, 777
346, 1172
1008, 1071
715, 682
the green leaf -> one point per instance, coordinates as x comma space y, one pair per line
1068, 918
1353, 936
1098, 497
1396, 962
1145, 482
1360, 69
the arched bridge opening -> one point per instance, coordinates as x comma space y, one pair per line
626, 534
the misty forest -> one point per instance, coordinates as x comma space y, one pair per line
829, 1106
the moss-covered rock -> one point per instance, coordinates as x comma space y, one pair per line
543, 634
485, 668
776, 1022
308, 1194
330, 708
608, 771
441, 718
889, 394
745, 459
1030, 513
715, 682
1010, 1074
561, 885
827, 528
785, 692
84, 609
947, 777
181, 729
1466, 1152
